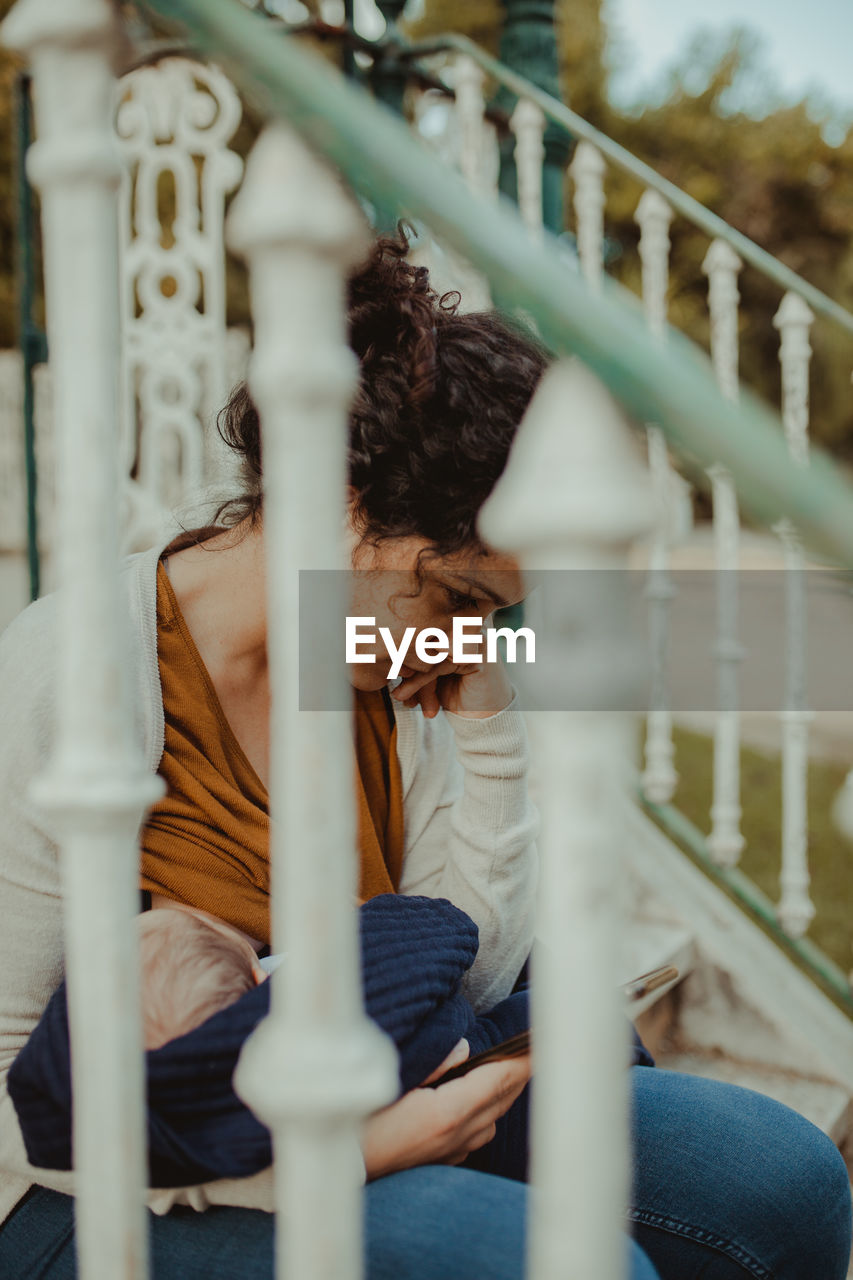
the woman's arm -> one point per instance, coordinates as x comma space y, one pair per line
470, 832
30, 892
443, 1125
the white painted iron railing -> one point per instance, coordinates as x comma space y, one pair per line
174, 121
728, 250
332, 1066
97, 786
300, 233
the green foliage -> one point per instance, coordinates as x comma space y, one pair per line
480, 20
775, 178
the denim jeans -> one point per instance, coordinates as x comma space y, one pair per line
727, 1184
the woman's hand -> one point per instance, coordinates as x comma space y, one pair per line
475, 691
443, 1125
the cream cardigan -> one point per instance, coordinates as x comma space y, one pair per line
469, 837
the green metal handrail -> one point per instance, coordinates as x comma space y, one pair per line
667, 383
805, 953
623, 159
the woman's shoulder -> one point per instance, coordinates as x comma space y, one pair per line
29, 645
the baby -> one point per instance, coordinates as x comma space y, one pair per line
192, 966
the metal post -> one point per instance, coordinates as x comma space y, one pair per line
529, 46
300, 234
389, 76
31, 339
571, 500
97, 784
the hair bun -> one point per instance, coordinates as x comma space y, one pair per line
392, 313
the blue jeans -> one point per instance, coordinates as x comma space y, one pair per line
727, 1184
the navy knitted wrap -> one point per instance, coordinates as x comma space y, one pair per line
414, 953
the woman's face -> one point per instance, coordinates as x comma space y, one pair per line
400, 583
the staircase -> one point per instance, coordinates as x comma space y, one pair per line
741, 1012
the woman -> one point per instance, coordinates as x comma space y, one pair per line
726, 1182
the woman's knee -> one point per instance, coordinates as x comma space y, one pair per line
813, 1190
736, 1168
439, 1220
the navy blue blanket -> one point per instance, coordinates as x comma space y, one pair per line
414, 952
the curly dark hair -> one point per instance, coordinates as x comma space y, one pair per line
439, 400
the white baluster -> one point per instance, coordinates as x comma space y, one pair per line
97, 785
572, 497
528, 125
475, 147
587, 170
722, 265
653, 217
794, 320
470, 109
301, 233
659, 778
796, 910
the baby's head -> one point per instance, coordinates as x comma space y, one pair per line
192, 966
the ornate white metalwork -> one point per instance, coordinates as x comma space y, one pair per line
721, 265
97, 785
174, 120
300, 234
572, 497
796, 910
587, 170
528, 125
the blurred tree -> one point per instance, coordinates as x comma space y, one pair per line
720, 131
774, 177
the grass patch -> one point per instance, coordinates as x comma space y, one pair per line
830, 853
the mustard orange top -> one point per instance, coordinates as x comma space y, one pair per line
206, 843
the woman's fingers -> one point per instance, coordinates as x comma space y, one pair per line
458, 1054
486, 1093
477, 1140
442, 1125
413, 684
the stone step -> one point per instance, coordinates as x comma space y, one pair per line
650, 945
827, 1105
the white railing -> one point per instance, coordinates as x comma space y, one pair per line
574, 454
173, 122
723, 263
97, 785
300, 234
